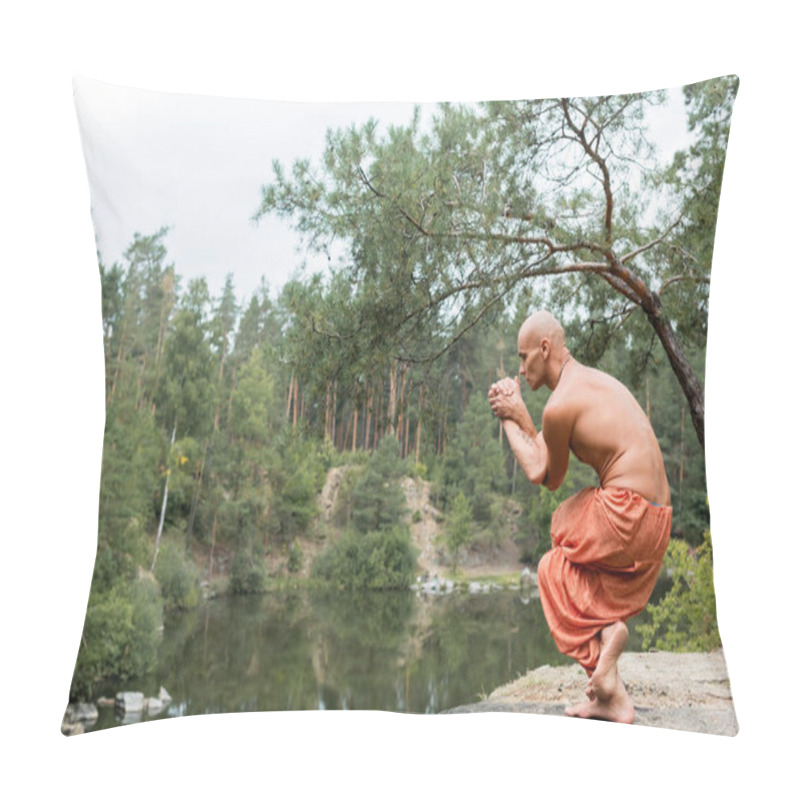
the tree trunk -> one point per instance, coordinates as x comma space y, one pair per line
403, 373
419, 425
333, 415
391, 410
230, 397
327, 410
346, 436
680, 473
289, 397
681, 367
367, 420
378, 410
164, 501
219, 383
198, 485
634, 288
211, 551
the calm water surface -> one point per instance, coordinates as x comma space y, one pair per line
391, 651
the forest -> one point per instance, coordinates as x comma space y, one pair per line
224, 415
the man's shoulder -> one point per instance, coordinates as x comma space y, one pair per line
581, 386
561, 407
577, 391
570, 392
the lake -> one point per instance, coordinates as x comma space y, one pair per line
390, 651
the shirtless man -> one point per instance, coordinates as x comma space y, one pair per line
608, 542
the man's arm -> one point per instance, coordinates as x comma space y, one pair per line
544, 456
528, 446
530, 452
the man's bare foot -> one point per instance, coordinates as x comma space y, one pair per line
618, 707
604, 680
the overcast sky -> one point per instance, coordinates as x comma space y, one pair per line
197, 163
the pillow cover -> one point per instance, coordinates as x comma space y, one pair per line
317, 486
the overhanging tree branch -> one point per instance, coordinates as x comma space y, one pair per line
511, 191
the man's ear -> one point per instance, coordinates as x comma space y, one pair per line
545, 347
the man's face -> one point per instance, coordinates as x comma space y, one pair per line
531, 366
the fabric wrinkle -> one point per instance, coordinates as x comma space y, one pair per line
608, 545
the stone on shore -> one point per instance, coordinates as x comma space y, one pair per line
77, 716
129, 703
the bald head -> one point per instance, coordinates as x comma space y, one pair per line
542, 350
542, 325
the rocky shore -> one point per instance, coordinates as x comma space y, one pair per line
682, 691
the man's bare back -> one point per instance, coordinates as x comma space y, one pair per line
610, 432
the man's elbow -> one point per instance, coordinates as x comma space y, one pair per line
552, 483
539, 478
550, 480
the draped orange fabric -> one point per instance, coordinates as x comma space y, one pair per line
608, 545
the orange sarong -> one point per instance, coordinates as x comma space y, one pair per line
608, 545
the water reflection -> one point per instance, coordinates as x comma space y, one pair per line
392, 651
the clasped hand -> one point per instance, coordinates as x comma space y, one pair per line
504, 397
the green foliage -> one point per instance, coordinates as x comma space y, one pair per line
186, 388
474, 464
295, 558
381, 559
482, 203
376, 553
696, 176
248, 573
129, 478
120, 635
379, 502
177, 577
255, 413
295, 478
686, 618
419, 470
459, 526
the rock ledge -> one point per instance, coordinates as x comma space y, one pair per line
682, 691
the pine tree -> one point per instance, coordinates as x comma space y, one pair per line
379, 502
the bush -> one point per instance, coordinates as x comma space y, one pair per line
686, 618
296, 476
377, 560
419, 470
379, 501
458, 528
295, 558
120, 636
177, 577
248, 573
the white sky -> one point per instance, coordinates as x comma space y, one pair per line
197, 163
